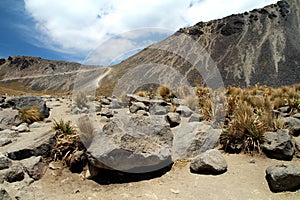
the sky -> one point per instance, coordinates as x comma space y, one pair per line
71, 30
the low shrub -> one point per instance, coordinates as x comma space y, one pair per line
31, 115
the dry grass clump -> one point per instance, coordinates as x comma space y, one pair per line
67, 142
249, 113
205, 104
31, 115
163, 91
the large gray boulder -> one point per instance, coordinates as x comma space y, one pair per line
191, 139
209, 162
135, 143
278, 145
29, 102
10, 117
283, 177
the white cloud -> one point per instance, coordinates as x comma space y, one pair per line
78, 26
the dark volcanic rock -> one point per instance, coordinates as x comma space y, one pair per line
283, 177
278, 145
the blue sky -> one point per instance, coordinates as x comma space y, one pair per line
72, 29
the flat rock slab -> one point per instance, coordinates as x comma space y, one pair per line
30, 144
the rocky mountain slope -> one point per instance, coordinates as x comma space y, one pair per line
257, 47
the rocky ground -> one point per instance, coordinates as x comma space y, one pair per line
27, 173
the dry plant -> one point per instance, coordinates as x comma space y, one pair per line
141, 93
163, 91
67, 142
191, 102
31, 115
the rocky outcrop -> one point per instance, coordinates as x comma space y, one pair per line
283, 177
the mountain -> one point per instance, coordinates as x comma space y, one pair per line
24, 73
257, 47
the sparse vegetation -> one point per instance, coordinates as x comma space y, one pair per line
31, 115
81, 100
249, 113
67, 142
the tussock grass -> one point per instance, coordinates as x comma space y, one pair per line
67, 143
249, 113
31, 115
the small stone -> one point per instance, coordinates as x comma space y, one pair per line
174, 191
184, 111
3, 194
35, 125
22, 128
137, 106
173, 119
14, 173
5, 141
195, 117
209, 162
4, 162
157, 110
252, 161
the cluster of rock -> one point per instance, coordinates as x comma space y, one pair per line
149, 134
21, 150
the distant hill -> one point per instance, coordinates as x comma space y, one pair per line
257, 47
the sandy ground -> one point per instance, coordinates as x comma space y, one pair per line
243, 180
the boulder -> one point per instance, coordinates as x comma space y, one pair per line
34, 166
3, 194
195, 117
4, 162
295, 131
29, 102
209, 162
134, 143
278, 145
191, 139
184, 111
157, 110
13, 174
283, 177
137, 106
173, 119
292, 122
10, 117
